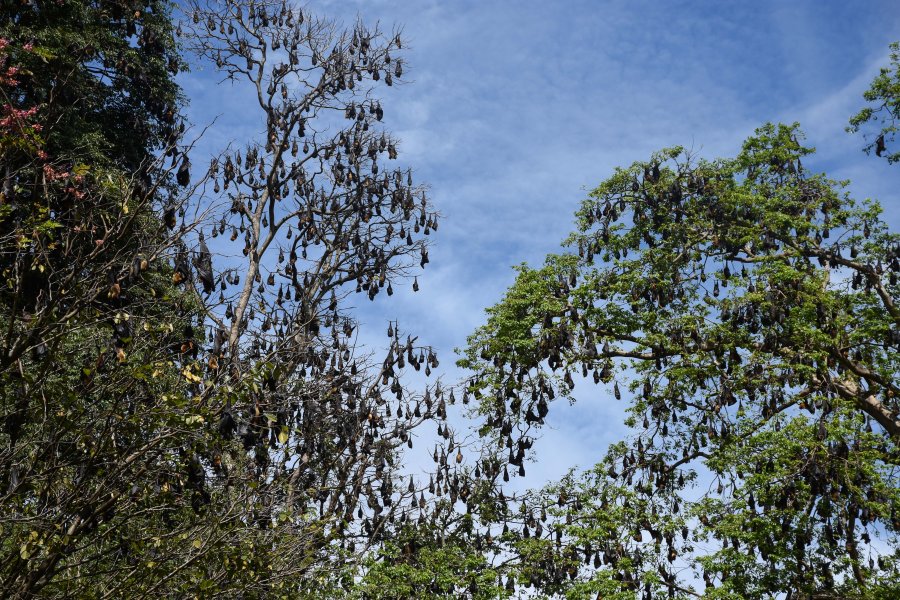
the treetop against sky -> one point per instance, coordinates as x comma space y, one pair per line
514, 110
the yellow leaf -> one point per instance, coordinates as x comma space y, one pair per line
190, 376
283, 435
197, 543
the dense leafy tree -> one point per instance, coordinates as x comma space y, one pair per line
97, 431
96, 80
745, 309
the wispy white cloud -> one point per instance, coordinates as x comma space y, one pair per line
515, 108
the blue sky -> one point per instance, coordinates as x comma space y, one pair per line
515, 109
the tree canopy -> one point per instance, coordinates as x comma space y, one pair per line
745, 310
187, 410
93, 449
883, 97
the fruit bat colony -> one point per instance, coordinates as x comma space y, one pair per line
708, 288
317, 214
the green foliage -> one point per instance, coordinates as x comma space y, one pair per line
100, 422
101, 73
746, 309
429, 568
883, 96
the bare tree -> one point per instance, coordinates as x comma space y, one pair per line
321, 216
